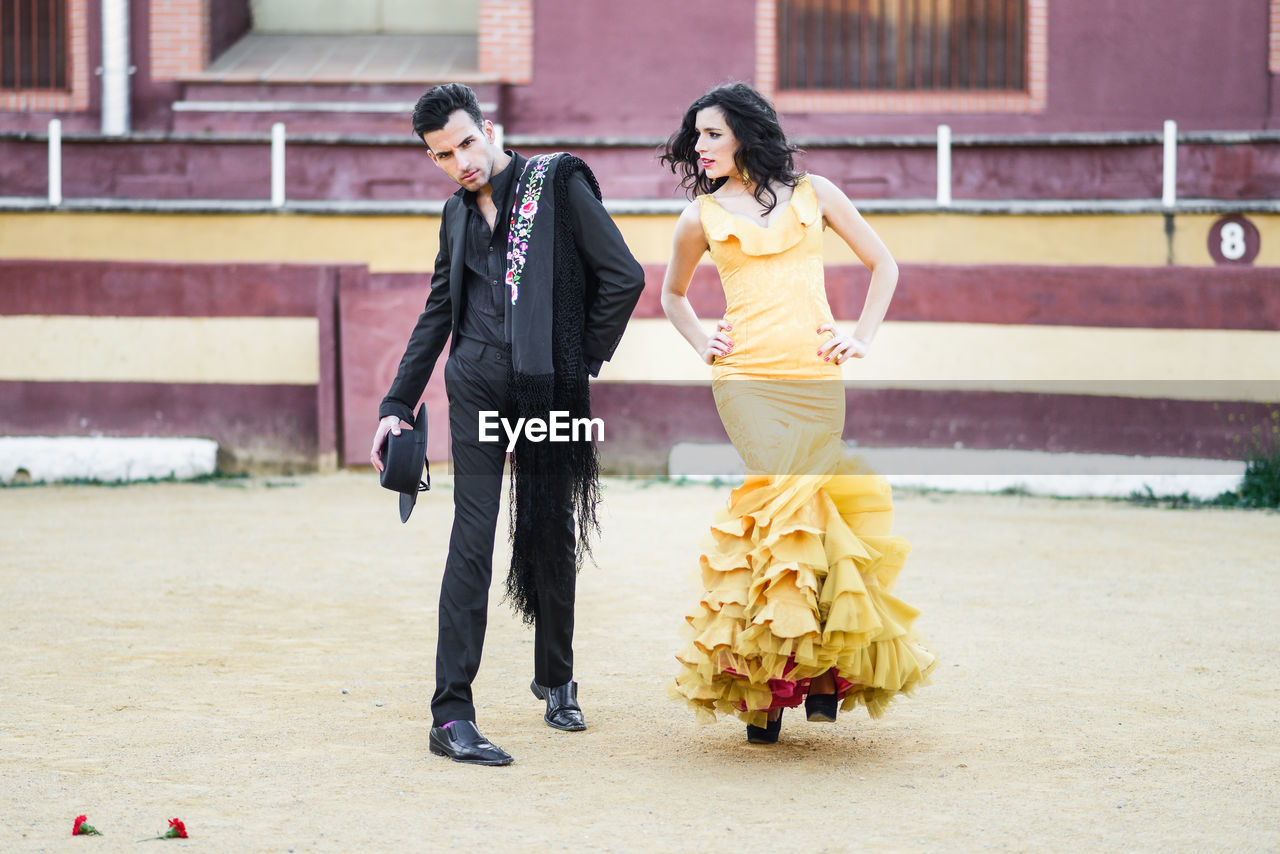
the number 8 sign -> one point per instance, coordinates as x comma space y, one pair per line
1233, 240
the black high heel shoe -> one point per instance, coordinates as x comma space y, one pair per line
765, 734
821, 708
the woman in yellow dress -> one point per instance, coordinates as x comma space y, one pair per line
797, 579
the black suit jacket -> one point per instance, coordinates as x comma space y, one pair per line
618, 277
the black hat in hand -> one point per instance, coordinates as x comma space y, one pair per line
403, 457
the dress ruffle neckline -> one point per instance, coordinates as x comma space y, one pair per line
778, 236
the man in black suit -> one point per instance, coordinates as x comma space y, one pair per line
473, 297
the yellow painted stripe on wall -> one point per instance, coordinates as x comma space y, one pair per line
385, 243
394, 243
241, 350
1191, 239
1188, 364
1107, 240
1131, 240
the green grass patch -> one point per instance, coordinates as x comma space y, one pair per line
1259, 490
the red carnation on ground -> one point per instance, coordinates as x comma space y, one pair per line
177, 830
83, 828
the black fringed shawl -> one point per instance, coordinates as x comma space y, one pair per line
548, 291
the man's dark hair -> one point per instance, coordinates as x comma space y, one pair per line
433, 109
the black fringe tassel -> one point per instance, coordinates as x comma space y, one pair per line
548, 477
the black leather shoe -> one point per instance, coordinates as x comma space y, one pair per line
821, 707
765, 734
563, 712
461, 741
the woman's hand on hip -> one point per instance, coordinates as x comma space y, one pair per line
718, 343
840, 347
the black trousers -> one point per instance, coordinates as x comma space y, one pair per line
476, 380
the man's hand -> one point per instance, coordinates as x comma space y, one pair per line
389, 424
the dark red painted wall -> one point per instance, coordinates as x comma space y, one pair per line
1132, 63
256, 426
611, 68
186, 170
376, 317
603, 67
1108, 297
643, 421
365, 320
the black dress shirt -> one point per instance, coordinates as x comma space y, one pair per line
615, 281
484, 282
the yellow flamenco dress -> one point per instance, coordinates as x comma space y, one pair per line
798, 573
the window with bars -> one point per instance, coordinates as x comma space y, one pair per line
33, 44
902, 45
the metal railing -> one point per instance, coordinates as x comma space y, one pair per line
943, 143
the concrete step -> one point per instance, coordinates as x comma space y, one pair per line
103, 459
375, 108
213, 90
229, 117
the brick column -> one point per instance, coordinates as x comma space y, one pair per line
179, 38
767, 47
1273, 61
506, 40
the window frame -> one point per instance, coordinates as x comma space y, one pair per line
1031, 99
75, 97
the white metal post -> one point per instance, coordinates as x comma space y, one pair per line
277, 165
944, 166
115, 67
1170, 163
55, 162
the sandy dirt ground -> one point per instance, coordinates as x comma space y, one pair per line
1108, 682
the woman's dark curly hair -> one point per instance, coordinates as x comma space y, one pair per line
763, 151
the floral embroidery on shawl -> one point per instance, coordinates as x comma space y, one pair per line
521, 226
